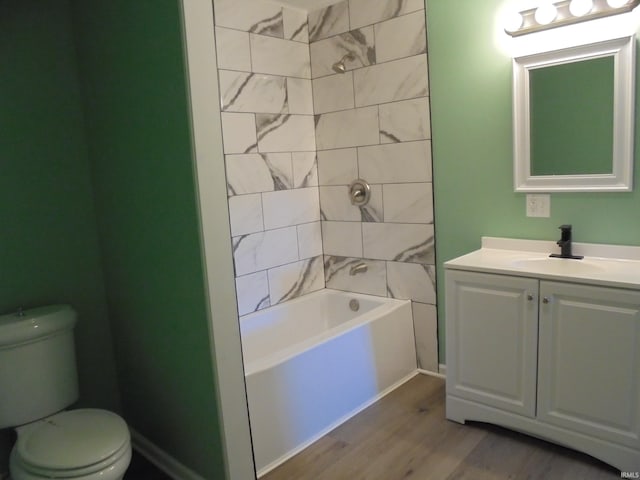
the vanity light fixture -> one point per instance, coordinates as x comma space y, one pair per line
565, 12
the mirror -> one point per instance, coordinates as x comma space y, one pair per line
574, 117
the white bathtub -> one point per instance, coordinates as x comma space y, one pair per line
312, 363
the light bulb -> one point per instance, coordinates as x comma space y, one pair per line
578, 8
513, 21
546, 13
617, 3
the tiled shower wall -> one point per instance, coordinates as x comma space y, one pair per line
269, 144
296, 134
372, 122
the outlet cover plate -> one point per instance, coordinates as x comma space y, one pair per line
538, 205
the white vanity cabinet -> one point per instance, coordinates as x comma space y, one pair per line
556, 359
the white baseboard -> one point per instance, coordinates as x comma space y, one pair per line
442, 368
430, 373
161, 459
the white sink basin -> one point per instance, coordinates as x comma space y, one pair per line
563, 266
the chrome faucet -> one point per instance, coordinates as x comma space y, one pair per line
565, 244
358, 268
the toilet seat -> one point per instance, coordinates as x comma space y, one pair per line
73, 444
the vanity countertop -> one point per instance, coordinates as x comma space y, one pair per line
603, 265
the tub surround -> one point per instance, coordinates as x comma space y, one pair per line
296, 134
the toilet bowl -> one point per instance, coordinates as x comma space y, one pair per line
85, 444
38, 381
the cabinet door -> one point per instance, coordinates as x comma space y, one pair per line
589, 360
492, 327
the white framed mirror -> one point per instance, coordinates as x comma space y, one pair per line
573, 114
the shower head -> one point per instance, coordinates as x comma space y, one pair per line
339, 66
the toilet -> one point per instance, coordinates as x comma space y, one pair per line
38, 381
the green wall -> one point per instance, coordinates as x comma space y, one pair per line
472, 149
48, 240
137, 115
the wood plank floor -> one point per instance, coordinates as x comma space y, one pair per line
406, 436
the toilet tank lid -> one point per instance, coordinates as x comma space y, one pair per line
36, 323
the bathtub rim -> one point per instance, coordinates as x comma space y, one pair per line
387, 305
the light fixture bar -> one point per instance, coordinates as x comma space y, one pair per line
564, 16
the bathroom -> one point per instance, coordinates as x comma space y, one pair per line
119, 237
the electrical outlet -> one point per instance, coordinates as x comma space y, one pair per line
538, 205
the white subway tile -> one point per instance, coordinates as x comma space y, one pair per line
399, 242
293, 280
250, 16
253, 292
408, 202
285, 133
263, 250
425, 325
290, 207
387, 82
332, 93
279, 57
357, 44
366, 12
348, 128
300, 96
309, 240
252, 92
412, 281
343, 239
254, 172
396, 162
239, 132
328, 21
245, 212
337, 167
296, 26
338, 275
305, 169
405, 121
401, 37
233, 50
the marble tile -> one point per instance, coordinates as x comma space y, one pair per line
245, 212
348, 128
387, 82
233, 50
373, 281
300, 96
408, 203
309, 240
328, 21
396, 162
412, 281
296, 26
291, 281
405, 121
335, 205
333, 93
263, 250
252, 92
290, 207
305, 169
425, 325
255, 173
358, 43
366, 12
337, 167
279, 57
250, 16
253, 292
285, 133
373, 211
401, 37
239, 132
342, 239
398, 242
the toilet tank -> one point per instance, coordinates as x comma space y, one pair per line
38, 375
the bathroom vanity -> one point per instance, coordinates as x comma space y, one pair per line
548, 346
